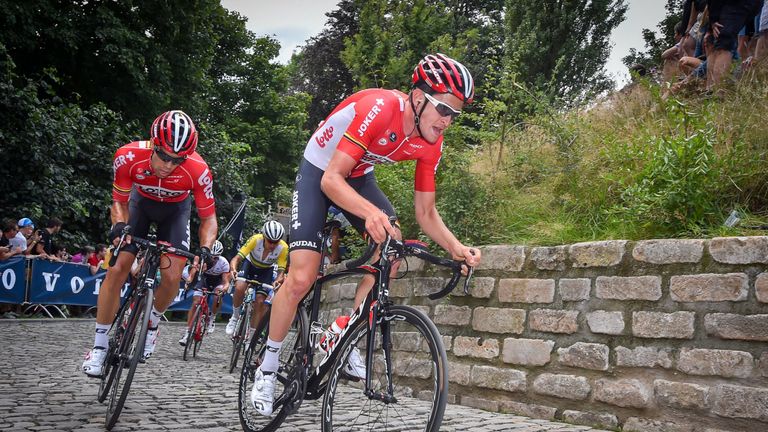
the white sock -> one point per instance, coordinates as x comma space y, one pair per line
271, 356
154, 318
101, 338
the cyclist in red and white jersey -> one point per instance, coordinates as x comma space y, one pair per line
368, 128
153, 182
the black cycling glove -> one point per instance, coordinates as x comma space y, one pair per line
205, 256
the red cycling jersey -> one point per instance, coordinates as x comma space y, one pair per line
369, 127
131, 167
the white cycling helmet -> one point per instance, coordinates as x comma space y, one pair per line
217, 248
273, 230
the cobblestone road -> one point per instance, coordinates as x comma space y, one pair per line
41, 388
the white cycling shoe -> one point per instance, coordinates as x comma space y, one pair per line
183, 340
355, 365
211, 326
230, 330
263, 392
93, 365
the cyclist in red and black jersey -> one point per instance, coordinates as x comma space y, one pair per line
370, 127
153, 181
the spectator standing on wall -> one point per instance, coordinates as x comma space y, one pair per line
726, 19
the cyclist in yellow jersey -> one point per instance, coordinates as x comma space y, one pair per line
259, 255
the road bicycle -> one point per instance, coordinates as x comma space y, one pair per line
198, 327
406, 384
129, 328
242, 333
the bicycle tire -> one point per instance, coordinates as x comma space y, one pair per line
291, 355
415, 346
238, 340
202, 327
191, 331
130, 353
108, 376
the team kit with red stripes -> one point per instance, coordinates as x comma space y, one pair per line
156, 181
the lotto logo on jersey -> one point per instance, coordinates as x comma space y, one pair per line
159, 191
206, 182
322, 140
375, 110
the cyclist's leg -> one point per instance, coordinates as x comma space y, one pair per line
263, 275
195, 301
367, 187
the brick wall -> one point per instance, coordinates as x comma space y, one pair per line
656, 335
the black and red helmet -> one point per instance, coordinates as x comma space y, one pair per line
439, 73
174, 131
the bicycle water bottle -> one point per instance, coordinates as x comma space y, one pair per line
331, 335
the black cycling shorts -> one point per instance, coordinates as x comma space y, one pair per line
172, 220
309, 207
251, 272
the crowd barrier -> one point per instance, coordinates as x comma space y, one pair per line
42, 282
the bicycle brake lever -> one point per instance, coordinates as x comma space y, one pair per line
466, 281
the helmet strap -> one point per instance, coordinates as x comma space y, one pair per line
416, 116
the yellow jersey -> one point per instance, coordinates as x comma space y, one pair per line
253, 250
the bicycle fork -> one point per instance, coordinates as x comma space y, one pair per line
386, 346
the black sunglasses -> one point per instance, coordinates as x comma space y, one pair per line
165, 157
442, 108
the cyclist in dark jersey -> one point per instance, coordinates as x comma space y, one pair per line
370, 127
153, 182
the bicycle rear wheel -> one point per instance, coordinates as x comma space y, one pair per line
191, 331
416, 370
238, 339
286, 388
129, 352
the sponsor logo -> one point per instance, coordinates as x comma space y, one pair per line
295, 210
121, 160
323, 139
160, 192
303, 243
383, 141
206, 181
375, 110
374, 159
140, 176
415, 146
392, 136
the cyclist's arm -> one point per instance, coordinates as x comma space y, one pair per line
119, 212
208, 229
235, 264
335, 186
432, 224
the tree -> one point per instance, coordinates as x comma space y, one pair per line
656, 43
318, 69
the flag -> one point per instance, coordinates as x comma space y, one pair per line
235, 229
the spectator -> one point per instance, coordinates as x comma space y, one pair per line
60, 253
670, 70
82, 256
46, 235
726, 18
27, 229
8, 243
761, 50
95, 260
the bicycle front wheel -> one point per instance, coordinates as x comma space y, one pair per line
409, 380
129, 352
287, 386
238, 339
200, 330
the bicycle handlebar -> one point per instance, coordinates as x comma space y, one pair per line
148, 244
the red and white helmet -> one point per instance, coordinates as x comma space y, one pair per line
174, 132
439, 73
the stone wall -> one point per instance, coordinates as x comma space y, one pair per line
656, 335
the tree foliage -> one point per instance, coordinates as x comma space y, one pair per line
657, 42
